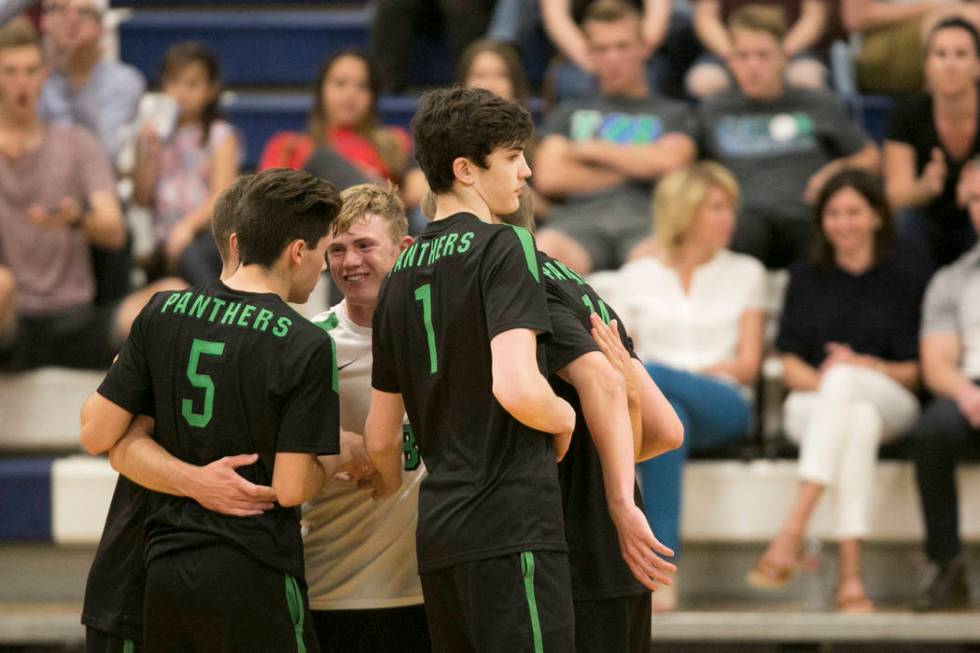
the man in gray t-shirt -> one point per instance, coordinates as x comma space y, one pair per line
598, 157
57, 199
949, 429
782, 144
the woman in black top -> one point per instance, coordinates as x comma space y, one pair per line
931, 139
848, 344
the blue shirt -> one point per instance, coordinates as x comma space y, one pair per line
106, 105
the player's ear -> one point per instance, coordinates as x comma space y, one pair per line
464, 170
405, 243
295, 251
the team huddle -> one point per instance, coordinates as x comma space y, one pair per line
417, 423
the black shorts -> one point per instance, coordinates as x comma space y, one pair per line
513, 603
218, 598
80, 337
619, 625
369, 631
98, 641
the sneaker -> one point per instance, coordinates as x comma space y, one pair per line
946, 590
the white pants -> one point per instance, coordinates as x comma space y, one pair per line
839, 428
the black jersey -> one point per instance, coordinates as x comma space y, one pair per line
492, 484
117, 579
598, 568
229, 373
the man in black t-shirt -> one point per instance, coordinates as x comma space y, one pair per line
232, 368
621, 418
113, 607
455, 344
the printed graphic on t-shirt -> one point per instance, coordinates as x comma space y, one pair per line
765, 135
615, 127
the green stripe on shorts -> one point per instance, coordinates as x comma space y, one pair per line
294, 599
128, 646
527, 567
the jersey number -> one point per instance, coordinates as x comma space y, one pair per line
203, 381
410, 450
424, 294
603, 311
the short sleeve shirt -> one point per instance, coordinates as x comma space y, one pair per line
624, 121
492, 487
952, 305
876, 313
597, 565
52, 267
774, 147
912, 122
229, 372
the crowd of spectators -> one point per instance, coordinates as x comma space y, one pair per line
680, 204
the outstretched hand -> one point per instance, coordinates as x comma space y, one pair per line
642, 550
220, 488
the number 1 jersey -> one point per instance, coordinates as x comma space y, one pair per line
229, 372
492, 487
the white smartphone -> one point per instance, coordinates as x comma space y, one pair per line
158, 111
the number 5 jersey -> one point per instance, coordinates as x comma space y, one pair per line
229, 372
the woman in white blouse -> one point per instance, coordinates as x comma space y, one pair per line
695, 312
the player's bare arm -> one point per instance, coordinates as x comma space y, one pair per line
524, 392
662, 430
216, 486
383, 439
296, 477
103, 423
602, 392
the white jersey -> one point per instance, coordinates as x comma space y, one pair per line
360, 553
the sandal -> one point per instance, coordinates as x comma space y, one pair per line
768, 576
854, 603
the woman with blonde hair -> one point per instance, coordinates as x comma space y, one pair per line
696, 312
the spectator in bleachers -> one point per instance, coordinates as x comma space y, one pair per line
180, 175
949, 430
397, 24
807, 20
57, 199
696, 314
931, 138
781, 142
344, 120
84, 88
889, 61
597, 157
848, 345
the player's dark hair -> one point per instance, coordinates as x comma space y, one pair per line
461, 122
224, 216
279, 206
872, 189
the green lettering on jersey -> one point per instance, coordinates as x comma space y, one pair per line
230, 313
553, 272
246, 313
199, 306
572, 274
410, 255
410, 450
282, 327
218, 303
530, 255
399, 261
262, 320
181, 306
422, 250
464, 242
170, 300
450, 248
